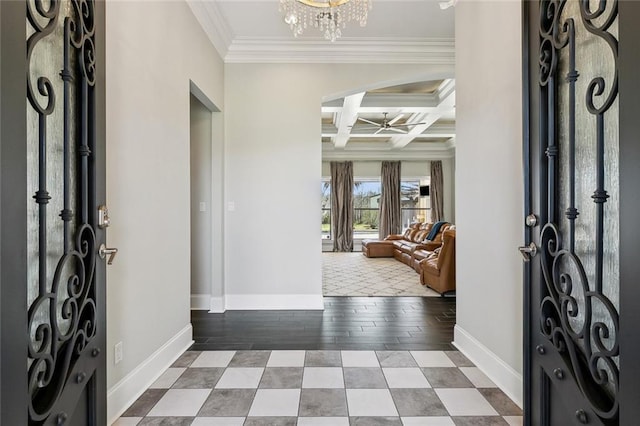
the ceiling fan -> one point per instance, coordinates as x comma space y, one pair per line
388, 124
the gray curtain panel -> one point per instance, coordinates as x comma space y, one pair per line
390, 214
436, 191
342, 205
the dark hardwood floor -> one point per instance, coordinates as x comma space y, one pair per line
347, 323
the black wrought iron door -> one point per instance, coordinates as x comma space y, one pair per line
573, 362
65, 179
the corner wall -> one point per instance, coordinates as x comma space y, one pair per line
489, 188
273, 174
151, 59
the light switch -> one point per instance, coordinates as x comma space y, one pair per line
231, 206
203, 206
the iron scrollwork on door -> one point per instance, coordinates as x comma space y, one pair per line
62, 310
577, 315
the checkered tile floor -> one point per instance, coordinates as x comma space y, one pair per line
332, 388
353, 274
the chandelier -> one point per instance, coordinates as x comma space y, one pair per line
330, 16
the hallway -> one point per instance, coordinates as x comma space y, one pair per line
362, 361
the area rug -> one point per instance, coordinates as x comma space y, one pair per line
353, 274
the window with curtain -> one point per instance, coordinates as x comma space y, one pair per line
366, 199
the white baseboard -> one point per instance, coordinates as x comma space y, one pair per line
502, 374
126, 391
216, 305
273, 301
200, 302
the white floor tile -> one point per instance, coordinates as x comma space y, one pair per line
359, 359
286, 359
218, 421
180, 403
427, 421
465, 402
213, 359
514, 420
240, 378
405, 378
477, 377
168, 378
432, 359
127, 421
275, 402
323, 377
370, 403
323, 421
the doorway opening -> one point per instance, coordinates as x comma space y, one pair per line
393, 139
206, 203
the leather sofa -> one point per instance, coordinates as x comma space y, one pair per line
438, 270
412, 247
415, 250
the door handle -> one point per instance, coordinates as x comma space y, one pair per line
528, 252
103, 251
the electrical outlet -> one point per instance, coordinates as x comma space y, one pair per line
117, 352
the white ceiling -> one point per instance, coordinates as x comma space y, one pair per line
388, 19
397, 32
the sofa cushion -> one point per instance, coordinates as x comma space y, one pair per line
419, 236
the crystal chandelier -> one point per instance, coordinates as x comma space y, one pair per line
327, 15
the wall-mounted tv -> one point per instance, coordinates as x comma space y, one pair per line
424, 191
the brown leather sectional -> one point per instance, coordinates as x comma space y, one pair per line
413, 249
438, 270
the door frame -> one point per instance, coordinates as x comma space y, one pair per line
13, 212
629, 243
629, 98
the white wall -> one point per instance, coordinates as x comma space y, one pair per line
154, 50
489, 188
273, 171
201, 217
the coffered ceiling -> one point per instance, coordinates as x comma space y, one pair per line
397, 32
421, 115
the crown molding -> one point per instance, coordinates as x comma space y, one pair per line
345, 50
369, 152
214, 24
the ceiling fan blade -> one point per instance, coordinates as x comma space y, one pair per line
406, 125
369, 121
369, 128
396, 118
379, 130
395, 129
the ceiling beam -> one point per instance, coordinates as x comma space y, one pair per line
437, 130
400, 141
348, 117
392, 103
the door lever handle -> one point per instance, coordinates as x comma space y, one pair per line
103, 251
528, 252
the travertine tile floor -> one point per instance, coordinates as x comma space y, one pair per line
353, 274
332, 388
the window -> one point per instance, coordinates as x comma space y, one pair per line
366, 201
414, 207
326, 209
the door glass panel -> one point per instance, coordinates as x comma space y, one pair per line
594, 58
47, 61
